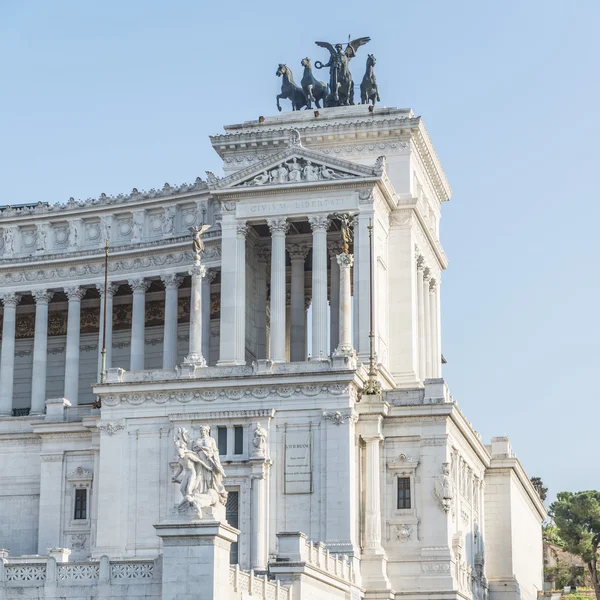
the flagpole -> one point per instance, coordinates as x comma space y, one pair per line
103, 367
372, 387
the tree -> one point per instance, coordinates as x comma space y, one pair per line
538, 484
577, 518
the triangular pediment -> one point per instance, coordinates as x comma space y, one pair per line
296, 166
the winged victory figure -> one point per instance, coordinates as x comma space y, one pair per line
197, 238
341, 85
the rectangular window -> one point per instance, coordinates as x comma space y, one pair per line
80, 504
222, 440
232, 516
403, 492
239, 439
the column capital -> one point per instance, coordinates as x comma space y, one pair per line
298, 251
334, 248
420, 262
42, 296
319, 222
112, 288
211, 275
197, 269
10, 299
263, 253
74, 293
278, 225
345, 260
307, 301
172, 280
241, 228
138, 285
426, 274
432, 285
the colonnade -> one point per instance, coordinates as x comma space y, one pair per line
233, 293
75, 294
428, 315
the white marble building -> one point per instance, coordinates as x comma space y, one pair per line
394, 495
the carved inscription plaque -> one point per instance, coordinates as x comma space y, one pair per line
298, 461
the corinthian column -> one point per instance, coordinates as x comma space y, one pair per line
108, 298
171, 283
278, 229
298, 254
263, 254
421, 318
198, 271
319, 225
40, 351
334, 296
138, 323
433, 312
206, 306
427, 322
240, 294
74, 294
345, 348
7, 357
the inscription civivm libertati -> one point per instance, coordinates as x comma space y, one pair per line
294, 206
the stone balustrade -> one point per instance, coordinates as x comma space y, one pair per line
38, 571
257, 587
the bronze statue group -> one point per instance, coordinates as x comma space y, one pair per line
340, 90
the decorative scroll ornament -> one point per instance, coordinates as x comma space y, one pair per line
339, 418
199, 472
111, 428
443, 488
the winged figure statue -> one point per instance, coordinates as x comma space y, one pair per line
341, 85
197, 237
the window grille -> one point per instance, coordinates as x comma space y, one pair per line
232, 516
404, 492
80, 504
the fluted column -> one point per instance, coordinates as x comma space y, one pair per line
7, 356
421, 318
172, 281
278, 229
334, 296
319, 225
198, 271
263, 255
345, 348
427, 322
298, 254
433, 311
138, 323
74, 294
108, 298
227, 343
240, 294
206, 305
40, 352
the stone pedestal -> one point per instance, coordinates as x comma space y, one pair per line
196, 559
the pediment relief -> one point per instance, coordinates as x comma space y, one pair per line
296, 170
299, 166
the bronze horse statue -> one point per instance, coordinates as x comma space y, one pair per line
369, 91
314, 90
290, 90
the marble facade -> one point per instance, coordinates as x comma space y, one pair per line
335, 494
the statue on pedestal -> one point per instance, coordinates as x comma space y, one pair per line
198, 471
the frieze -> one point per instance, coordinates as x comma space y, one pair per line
212, 394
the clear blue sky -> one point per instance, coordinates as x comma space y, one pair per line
107, 96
